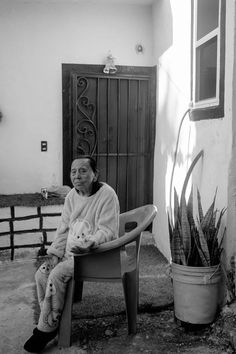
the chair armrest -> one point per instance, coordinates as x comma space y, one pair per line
127, 237
117, 243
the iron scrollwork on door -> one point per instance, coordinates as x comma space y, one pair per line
85, 127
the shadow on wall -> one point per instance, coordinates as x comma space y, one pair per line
163, 37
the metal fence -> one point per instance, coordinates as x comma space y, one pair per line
41, 229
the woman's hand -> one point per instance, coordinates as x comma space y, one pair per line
83, 246
54, 260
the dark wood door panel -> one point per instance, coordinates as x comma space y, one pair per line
112, 118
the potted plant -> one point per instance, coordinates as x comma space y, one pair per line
196, 251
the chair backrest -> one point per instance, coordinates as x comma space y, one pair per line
105, 261
142, 216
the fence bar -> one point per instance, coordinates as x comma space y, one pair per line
40, 218
28, 217
11, 225
12, 232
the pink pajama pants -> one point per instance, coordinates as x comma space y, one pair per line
51, 285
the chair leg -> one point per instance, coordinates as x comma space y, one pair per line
64, 336
78, 291
129, 281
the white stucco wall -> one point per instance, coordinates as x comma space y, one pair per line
230, 243
172, 55
36, 38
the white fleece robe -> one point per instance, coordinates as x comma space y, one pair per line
95, 217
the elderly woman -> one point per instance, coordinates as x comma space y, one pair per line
90, 217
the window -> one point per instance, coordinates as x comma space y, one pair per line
208, 51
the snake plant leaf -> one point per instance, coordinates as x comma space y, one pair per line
175, 253
185, 228
178, 255
214, 218
176, 207
203, 244
170, 228
200, 252
215, 253
219, 219
216, 247
194, 244
190, 209
216, 230
194, 259
200, 211
195, 160
210, 232
208, 219
220, 248
222, 239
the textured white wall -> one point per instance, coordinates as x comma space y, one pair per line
230, 244
36, 38
172, 56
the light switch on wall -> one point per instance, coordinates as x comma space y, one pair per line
44, 145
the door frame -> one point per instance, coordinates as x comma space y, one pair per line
130, 71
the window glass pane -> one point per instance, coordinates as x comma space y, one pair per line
207, 16
206, 60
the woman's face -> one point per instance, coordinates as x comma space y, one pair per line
82, 175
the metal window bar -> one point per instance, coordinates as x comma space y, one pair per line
127, 147
137, 144
108, 135
118, 136
97, 116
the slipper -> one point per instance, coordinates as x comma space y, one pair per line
39, 340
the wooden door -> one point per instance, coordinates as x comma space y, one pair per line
112, 117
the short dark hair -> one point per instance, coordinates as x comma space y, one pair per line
93, 165
92, 161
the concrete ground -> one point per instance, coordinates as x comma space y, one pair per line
99, 322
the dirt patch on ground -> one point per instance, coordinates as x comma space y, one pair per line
99, 322
158, 332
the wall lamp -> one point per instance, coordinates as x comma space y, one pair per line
110, 65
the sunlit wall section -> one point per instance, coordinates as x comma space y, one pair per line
172, 55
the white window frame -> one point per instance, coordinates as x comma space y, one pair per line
196, 44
